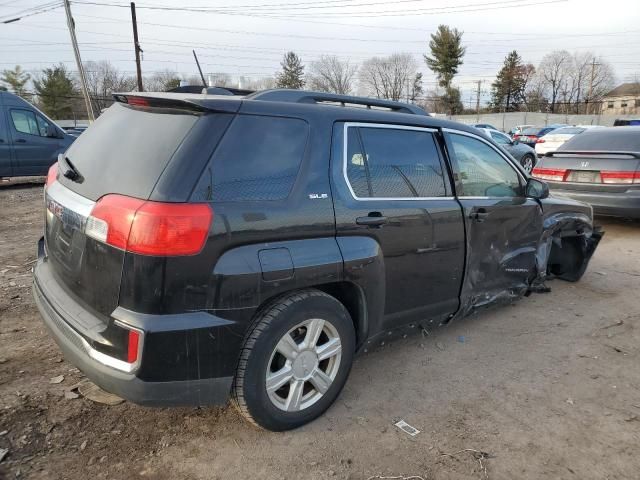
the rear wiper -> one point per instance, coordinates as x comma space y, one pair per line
71, 172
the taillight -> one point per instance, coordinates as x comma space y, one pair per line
555, 175
133, 346
150, 228
138, 101
540, 140
52, 174
609, 176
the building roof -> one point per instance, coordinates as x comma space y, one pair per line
625, 89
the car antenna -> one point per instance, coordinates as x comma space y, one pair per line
204, 83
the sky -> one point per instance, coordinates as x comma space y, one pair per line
249, 37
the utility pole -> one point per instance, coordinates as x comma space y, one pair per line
136, 45
593, 74
76, 51
478, 102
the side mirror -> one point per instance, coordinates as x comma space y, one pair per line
515, 141
537, 189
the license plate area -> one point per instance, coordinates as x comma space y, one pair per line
584, 176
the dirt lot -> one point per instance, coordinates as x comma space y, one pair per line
546, 388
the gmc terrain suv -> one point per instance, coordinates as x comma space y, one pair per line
199, 247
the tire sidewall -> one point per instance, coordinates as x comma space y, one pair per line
263, 411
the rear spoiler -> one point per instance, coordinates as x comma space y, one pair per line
591, 153
195, 104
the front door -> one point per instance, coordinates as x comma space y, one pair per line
503, 226
34, 151
5, 146
391, 185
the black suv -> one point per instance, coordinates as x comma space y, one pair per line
199, 247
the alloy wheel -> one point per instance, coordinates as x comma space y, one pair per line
303, 365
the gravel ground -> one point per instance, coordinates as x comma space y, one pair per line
546, 388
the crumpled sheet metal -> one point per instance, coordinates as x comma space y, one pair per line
555, 228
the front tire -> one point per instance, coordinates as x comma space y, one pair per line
295, 361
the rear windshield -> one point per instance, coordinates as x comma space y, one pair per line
623, 139
569, 131
126, 150
531, 131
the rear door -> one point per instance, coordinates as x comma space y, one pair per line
34, 151
5, 145
503, 226
391, 185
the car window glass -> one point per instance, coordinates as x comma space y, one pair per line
24, 121
43, 125
393, 163
531, 131
257, 159
500, 138
483, 171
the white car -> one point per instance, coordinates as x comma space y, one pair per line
552, 140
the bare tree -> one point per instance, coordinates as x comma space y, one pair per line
388, 77
103, 79
330, 74
554, 70
265, 83
161, 81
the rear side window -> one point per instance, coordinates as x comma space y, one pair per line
393, 163
126, 150
257, 159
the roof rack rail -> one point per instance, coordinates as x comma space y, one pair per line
305, 96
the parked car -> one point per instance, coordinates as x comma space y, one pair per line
601, 167
517, 130
183, 264
484, 125
530, 136
524, 154
625, 122
552, 140
29, 140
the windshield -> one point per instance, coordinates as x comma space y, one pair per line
569, 131
531, 131
126, 150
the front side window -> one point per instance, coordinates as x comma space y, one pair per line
483, 171
25, 121
393, 163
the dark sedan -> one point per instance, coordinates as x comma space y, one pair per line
530, 136
524, 154
600, 167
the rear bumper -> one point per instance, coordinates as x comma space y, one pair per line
615, 204
192, 391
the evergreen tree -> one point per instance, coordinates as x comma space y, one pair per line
16, 79
508, 91
446, 54
292, 75
56, 92
451, 101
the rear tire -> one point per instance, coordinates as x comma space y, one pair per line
528, 162
295, 361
